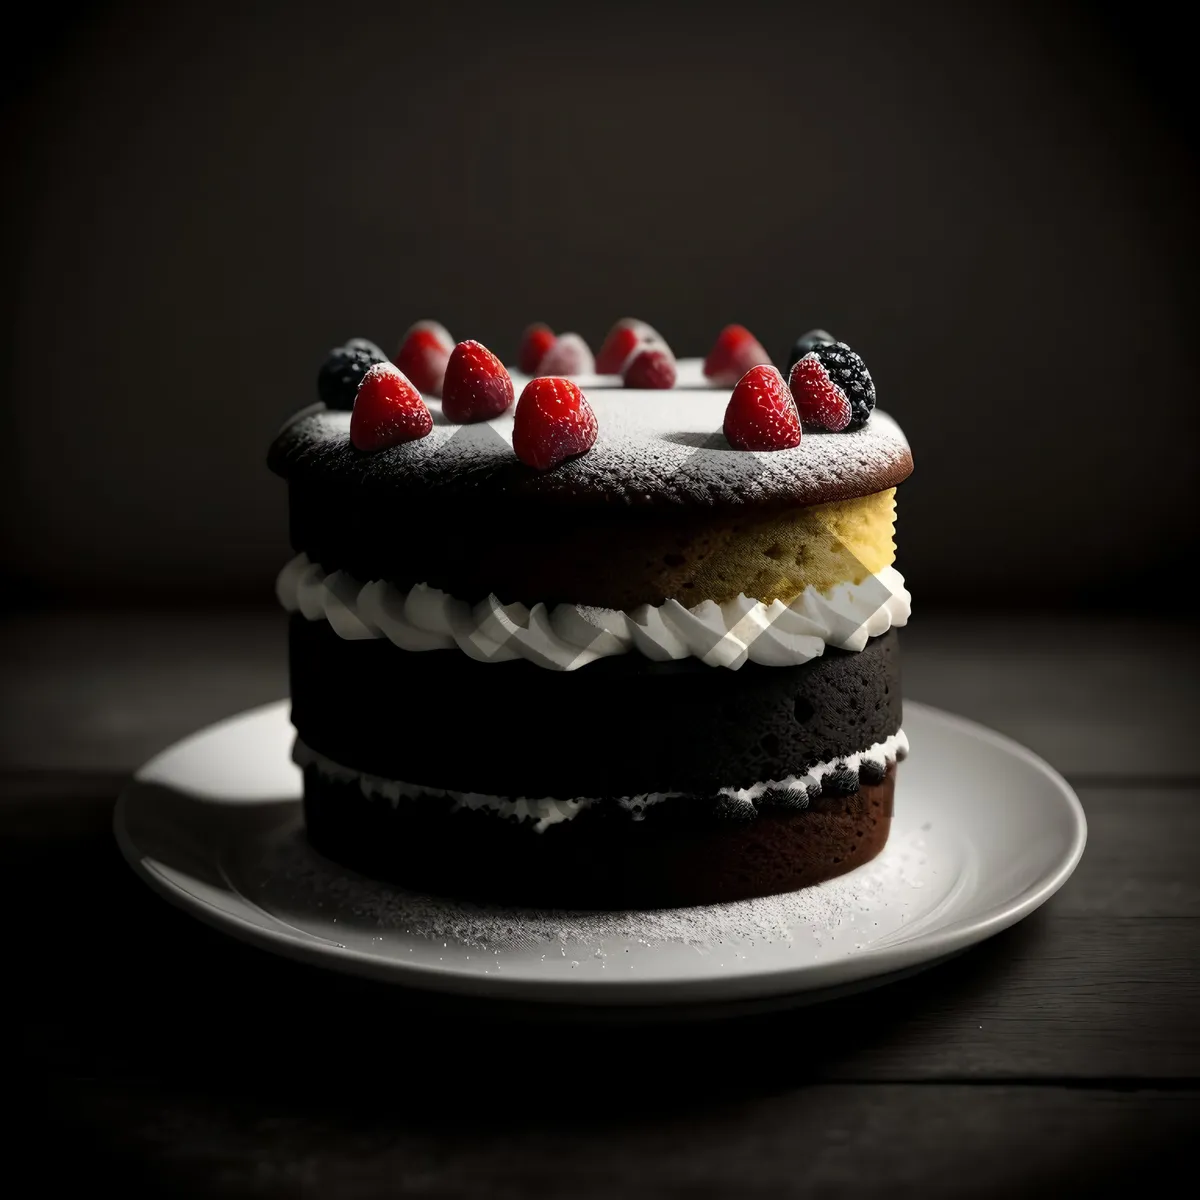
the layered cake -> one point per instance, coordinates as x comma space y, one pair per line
595, 631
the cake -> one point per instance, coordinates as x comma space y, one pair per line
628, 641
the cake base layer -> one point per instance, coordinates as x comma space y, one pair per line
618, 727
682, 853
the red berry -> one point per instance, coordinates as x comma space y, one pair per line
438, 330
735, 351
476, 386
819, 401
651, 367
535, 341
568, 356
423, 358
553, 421
622, 341
388, 410
761, 414
620, 344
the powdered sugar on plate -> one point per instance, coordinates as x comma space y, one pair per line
289, 879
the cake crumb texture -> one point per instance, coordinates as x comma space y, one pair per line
776, 557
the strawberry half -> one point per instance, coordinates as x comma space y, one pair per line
535, 341
761, 414
553, 422
568, 356
651, 367
819, 401
423, 358
388, 410
476, 386
735, 351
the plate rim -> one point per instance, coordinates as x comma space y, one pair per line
804, 979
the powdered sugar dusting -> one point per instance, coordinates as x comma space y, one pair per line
654, 447
291, 877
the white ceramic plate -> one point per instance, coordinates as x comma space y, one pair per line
984, 832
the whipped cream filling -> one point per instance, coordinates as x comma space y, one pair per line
571, 635
546, 810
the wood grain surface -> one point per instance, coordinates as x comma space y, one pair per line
160, 1056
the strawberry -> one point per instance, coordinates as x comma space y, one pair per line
535, 341
438, 330
476, 386
423, 358
623, 339
388, 410
806, 342
553, 422
637, 352
848, 372
761, 414
618, 347
735, 351
568, 356
819, 401
651, 367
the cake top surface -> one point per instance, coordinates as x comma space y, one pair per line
654, 448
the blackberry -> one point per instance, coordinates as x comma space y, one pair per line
810, 341
850, 373
343, 371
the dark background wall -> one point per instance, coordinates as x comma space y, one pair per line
995, 203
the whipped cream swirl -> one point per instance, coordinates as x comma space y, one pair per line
545, 811
571, 635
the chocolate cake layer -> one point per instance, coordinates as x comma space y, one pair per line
679, 854
620, 726
605, 560
658, 450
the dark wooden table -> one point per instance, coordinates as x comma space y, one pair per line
164, 1057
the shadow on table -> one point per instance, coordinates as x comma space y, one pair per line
165, 1052
155, 994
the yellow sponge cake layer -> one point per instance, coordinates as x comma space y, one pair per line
776, 557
